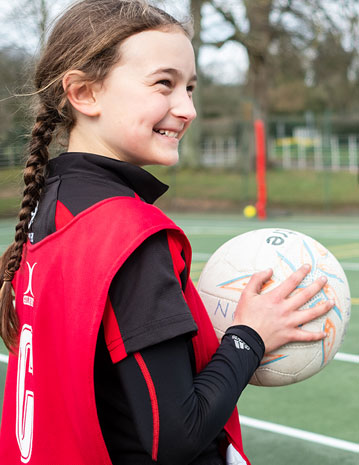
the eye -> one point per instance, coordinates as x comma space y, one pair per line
190, 89
165, 82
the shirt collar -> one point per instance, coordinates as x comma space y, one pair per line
141, 181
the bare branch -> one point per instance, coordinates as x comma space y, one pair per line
238, 35
220, 43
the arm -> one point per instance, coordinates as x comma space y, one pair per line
192, 410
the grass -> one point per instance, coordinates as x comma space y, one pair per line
9, 206
10, 191
288, 190
221, 190
10, 178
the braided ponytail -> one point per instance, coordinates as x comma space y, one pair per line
34, 179
87, 37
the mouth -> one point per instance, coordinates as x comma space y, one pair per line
167, 133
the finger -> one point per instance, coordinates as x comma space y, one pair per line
307, 293
300, 335
257, 281
305, 316
293, 281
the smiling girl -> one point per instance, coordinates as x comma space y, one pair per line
113, 358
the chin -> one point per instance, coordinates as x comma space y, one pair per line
168, 160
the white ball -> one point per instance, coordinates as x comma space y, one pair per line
229, 270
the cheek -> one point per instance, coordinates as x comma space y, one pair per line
134, 141
157, 108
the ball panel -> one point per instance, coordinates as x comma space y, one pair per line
221, 312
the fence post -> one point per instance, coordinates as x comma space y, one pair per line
261, 159
302, 162
318, 153
335, 153
353, 154
232, 151
286, 154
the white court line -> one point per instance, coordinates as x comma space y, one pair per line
348, 266
342, 357
300, 434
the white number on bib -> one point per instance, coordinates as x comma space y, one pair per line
233, 457
24, 397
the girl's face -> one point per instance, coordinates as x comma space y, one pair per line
146, 101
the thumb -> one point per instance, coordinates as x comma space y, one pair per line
257, 281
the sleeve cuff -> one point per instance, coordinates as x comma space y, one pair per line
250, 337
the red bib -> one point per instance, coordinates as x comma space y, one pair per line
49, 412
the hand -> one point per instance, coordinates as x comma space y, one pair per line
275, 315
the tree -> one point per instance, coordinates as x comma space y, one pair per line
331, 73
191, 145
260, 25
13, 111
27, 23
288, 91
30, 19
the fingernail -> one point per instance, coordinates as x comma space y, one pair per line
306, 266
332, 302
324, 279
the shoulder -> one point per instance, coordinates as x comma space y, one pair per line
146, 296
133, 218
80, 193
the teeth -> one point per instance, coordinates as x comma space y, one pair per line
167, 133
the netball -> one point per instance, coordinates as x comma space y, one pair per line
229, 270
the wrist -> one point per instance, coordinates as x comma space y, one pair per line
249, 336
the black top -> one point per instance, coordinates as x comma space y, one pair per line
156, 325
144, 295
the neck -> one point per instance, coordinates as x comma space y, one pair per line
85, 140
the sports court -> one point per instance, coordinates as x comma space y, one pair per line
315, 422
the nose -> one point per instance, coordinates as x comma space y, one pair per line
183, 107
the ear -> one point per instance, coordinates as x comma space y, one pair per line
81, 93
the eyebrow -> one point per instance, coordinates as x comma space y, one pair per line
173, 71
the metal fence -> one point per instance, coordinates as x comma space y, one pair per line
320, 153
11, 155
220, 152
300, 152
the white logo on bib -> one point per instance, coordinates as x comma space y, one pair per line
28, 298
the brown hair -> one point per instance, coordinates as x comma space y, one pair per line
87, 38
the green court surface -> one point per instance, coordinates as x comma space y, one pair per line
315, 422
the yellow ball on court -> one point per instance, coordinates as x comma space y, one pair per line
250, 211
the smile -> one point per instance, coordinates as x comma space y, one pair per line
167, 133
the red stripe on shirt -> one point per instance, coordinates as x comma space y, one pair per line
154, 404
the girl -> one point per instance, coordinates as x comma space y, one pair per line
113, 358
